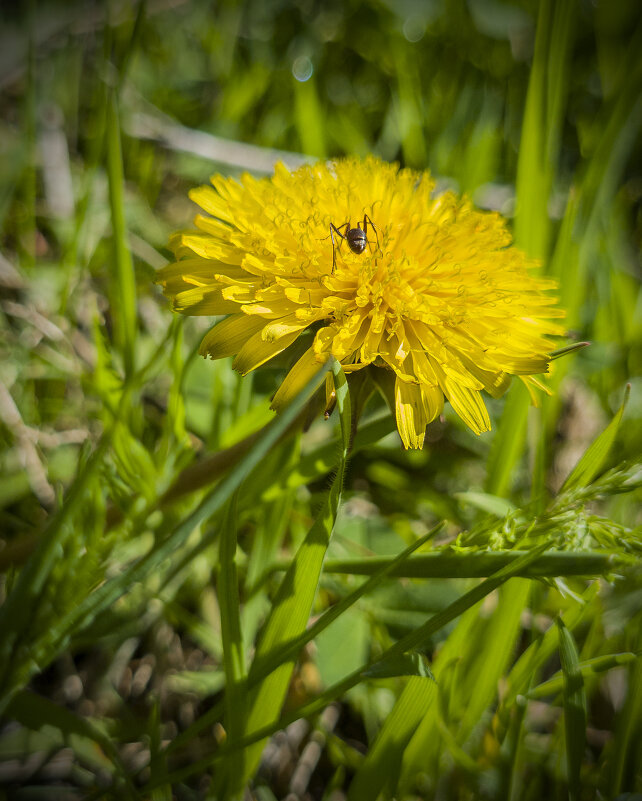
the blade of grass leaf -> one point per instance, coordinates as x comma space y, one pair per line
308, 115
291, 649
379, 772
123, 285
508, 443
18, 608
539, 652
468, 669
588, 668
478, 678
134, 39
409, 642
595, 455
86, 611
35, 711
480, 564
591, 201
574, 699
230, 606
293, 603
263, 668
557, 78
537, 163
533, 169
625, 760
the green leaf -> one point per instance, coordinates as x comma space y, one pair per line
449, 564
532, 224
21, 604
415, 639
123, 285
35, 711
410, 664
487, 656
486, 502
104, 596
292, 605
588, 668
379, 772
468, 669
233, 650
508, 444
595, 456
565, 351
541, 650
574, 698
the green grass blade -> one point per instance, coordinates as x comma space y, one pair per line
624, 763
557, 78
379, 772
594, 457
410, 117
479, 675
293, 602
532, 226
446, 564
538, 156
111, 590
123, 284
574, 697
35, 711
264, 667
230, 605
20, 605
386, 568
309, 118
541, 650
412, 641
468, 670
508, 444
588, 668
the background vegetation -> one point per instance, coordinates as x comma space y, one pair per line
156, 523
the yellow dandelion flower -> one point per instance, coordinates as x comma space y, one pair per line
383, 271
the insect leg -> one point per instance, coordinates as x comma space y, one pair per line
367, 221
333, 230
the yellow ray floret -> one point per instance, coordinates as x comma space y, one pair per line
438, 295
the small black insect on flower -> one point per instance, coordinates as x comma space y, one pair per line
357, 238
